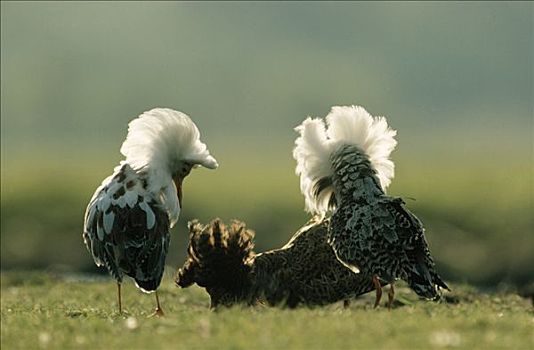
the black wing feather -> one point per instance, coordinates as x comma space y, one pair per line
135, 243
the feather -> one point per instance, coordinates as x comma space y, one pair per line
312, 152
127, 221
150, 217
355, 126
131, 198
109, 218
131, 236
160, 136
304, 271
99, 230
317, 142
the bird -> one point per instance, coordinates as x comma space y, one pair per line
344, 167
305, 271
219, 260
128, 219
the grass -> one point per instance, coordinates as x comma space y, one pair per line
42, 310
477, 226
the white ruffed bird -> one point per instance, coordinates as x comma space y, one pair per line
128, 219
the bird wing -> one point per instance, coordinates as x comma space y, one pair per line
126, 229
382, 237
310, 270
420, 270
365, 235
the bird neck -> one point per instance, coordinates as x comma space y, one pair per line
158, 184
354, 177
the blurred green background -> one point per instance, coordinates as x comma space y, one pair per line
455, 80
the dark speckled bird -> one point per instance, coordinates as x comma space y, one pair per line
344, 169
303, 272
127, 221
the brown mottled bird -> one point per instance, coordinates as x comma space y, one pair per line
127, 221
304, 271
344, 169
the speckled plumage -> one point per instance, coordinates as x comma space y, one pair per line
127, 221
344, 168
127, 229
305, 271
374, 232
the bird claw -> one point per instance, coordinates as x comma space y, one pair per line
378, 288
122, 313
391, 296
158, 313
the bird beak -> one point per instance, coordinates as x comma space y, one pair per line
178, 182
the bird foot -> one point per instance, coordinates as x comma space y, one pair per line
391, 296
378, 288
122, 313
158, 313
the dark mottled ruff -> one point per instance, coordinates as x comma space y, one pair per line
304, 271
218, 260
374, 232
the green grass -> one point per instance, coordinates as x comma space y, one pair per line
50, 311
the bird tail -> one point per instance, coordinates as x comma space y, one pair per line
218, 260
346, 125
148, 286
425, 281
439, 282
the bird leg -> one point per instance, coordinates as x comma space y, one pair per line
378, 288
391, 295
119, 295
159, 311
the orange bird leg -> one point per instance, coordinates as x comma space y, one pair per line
159, 311
378, 288
119, 295
391, 295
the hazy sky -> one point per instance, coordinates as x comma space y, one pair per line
73, 73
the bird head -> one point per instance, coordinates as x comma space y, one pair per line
166, 144
219, 259
178, 178
179, 175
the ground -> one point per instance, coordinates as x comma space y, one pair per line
44, 310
